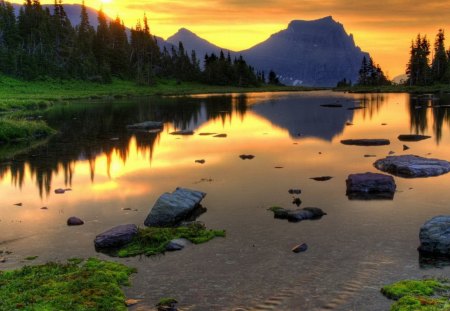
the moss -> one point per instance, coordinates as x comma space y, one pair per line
275, 209
166, 302
418, 295
153, 240
91, 285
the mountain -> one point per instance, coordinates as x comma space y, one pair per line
193, 42
315, 53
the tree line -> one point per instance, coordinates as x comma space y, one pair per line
43, 43
422, 70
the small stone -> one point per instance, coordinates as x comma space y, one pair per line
321, 178
44, 207
295, 191
18, 204
74, 221
300, 248
405, 147
391, 152
370, 156
383, 124
297, 201
2, 259
182, 132
177, 245
220, 135
348, 123
126, 209
412, 137
246, 156
60, 191
279, 167
331, 106
202, 161
206, 134
365, 142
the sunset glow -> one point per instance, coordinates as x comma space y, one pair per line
384, 29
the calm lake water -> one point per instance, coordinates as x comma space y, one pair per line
354, 250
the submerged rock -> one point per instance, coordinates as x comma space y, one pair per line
307, 213
412, 166
147, 125
366, 142
412, 137
435, 236
116, 237
74, 221
172, 208
368, 186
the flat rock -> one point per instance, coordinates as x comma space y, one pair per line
177, 245
60, 191
435, 236
367, 186
412, 137
307, 213
147, 125
365, 142
321, 178
116, 236
220, 136
183, 132
411, 166
74, 221
172, 208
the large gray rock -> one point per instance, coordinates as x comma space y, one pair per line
368, 186
116, 236
412, 166
435, 236
172, 208
366, 142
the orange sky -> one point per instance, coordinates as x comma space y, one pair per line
383, 28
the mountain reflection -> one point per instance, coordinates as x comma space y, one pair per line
423, 108
88, 130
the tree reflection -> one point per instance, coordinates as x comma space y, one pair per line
92, 129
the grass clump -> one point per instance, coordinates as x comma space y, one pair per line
166, 301
416, 295
91, 285
21, 130
153, 240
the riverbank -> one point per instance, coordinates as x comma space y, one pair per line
428, 89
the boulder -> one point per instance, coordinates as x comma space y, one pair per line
412, 137
411, 166
172, 208
148, 125
435, 236
366, 142
74, 221
307, 213
116, 237
368, 186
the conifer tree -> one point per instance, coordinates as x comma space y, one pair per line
439, 64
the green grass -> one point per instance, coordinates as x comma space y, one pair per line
419, 295
20, 130
91, 285
153, 240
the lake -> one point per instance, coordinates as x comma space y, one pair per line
115, 176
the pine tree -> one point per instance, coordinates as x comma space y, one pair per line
439, 64
102, 47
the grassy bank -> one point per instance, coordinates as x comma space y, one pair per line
18, 94
90, 285
438, 88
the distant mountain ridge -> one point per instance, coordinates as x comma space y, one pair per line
313, 53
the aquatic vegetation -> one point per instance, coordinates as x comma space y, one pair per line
419, 295
20, 130
88, 285
153, 240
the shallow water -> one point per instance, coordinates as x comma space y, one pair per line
354, 250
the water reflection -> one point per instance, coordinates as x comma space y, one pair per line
423, 109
